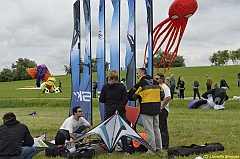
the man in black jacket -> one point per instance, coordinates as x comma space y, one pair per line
15, 139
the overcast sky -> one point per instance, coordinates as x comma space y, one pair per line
42, 30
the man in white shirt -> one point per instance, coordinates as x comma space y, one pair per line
76, 124
164, 109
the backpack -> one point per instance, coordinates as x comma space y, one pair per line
55, 151
61, 136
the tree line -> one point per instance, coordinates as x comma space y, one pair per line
18, 71
222, 57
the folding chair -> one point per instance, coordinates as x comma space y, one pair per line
132, 114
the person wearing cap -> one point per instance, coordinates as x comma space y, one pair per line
15, 139
147, 91
208, 82
163, 115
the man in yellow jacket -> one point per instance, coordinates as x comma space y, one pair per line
147, 91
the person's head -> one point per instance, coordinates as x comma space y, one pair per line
9, 115
207, 76
113, 76
168, 81
181, 79
223, 77
141, 72
172, 76
196, 78
77, 111
160, 77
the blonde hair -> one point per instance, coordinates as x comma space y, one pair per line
113, 76
168, 82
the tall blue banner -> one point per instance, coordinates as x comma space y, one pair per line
100, 54
130, 59
86, 82
115, 37
75, 57
149, 9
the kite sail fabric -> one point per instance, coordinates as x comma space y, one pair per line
75, 57
115, 37
149, 8
130, 59
112, 129
40, 73
85, 88
179, 13
100, 55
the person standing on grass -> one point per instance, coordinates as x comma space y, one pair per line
164, 110
195, 89
208, 82
173, 84
223, 84
147, 91
181, 88
16, 141
115, 97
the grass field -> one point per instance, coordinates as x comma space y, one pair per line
185, 126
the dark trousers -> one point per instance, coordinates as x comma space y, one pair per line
123, 138
196, 92
181, 93
164, 128
209, 87
172, 89
94, 93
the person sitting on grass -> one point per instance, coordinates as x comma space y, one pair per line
76, 125
15, 139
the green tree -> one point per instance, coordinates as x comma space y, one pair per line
235, 56
179, 61
214, 58
223, 57
6, 75
67, 69
19, 69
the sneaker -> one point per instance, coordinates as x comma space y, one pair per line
110, 154
126, 154
149, 152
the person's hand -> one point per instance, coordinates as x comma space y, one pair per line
87, 140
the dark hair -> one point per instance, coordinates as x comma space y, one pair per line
74, 110
161, 75
8, 115
143, 70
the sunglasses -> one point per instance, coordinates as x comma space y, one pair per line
80, 111
156, 78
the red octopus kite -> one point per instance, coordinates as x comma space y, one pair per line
179, 12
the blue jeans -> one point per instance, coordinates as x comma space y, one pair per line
78, 132
27, 153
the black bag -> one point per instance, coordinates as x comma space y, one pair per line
82, 154
194, 149
56, 151
61, 136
